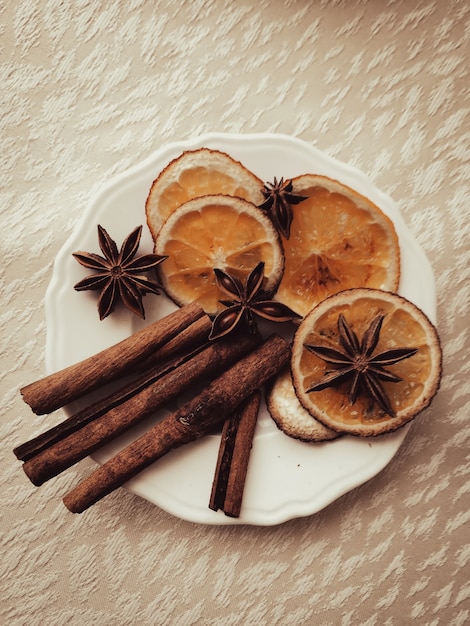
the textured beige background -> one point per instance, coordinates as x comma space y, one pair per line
90, 88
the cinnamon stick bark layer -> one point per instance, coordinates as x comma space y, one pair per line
168, 357
195, 419
233, 458
202, 366
58, 389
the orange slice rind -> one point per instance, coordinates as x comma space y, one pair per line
197, 173
404, 325
212, 232
290, 416
338, 240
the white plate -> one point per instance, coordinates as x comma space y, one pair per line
286, 478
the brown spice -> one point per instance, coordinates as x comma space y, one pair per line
119, 275
161, 362
201, 366
234, 454
70, 383
195, 419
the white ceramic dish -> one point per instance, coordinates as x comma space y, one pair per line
286, 478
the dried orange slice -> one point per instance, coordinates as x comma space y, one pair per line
338, 240
290, 416
197, 173
212, 232
404, 326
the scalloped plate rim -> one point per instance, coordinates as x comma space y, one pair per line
232, 144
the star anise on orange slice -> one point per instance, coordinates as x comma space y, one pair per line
248, 299
357, 364
119, 274
278, 200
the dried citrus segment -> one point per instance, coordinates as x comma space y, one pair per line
290, 416
197, 173
212, 232
404, 326
338, 240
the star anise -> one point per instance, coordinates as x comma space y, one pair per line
119, 275
279, 198
248, 299
357, 364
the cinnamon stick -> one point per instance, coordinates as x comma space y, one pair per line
168, 358
58, 389
76, 446
193, 420
234, 454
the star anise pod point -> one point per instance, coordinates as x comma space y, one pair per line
119, 274
278, 200
357, 364
247, 300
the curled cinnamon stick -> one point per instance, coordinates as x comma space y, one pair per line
233, 458
58, 389
168, 357
205, 364
195, 419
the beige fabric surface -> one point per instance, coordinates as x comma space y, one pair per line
89, 89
